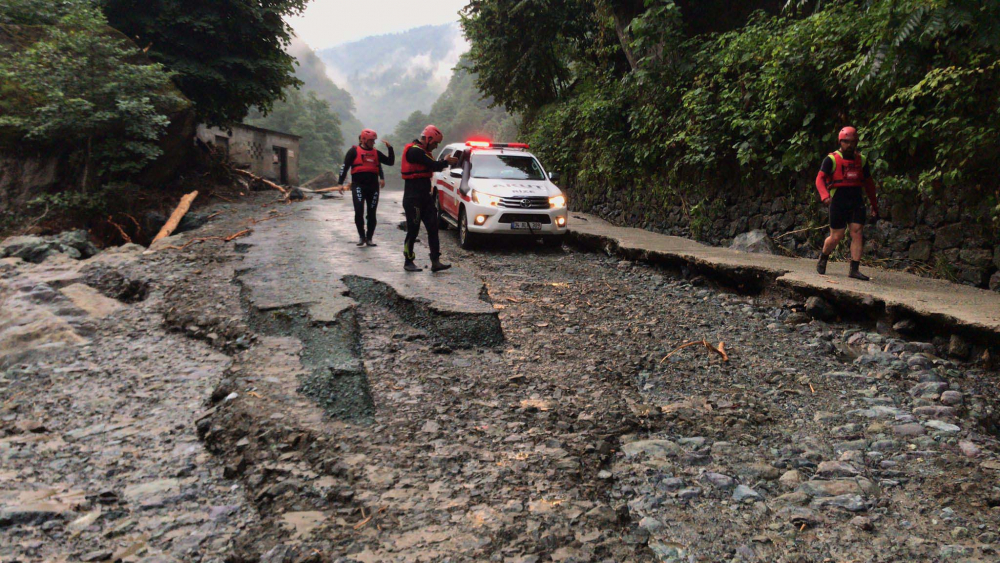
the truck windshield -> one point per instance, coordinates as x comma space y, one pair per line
505, 166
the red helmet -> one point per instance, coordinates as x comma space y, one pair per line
367, 135
432, 134
847, 132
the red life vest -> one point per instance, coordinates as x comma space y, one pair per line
411, 170
847, 173
365, 160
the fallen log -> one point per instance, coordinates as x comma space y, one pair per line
340, 189
256, 178
176, 216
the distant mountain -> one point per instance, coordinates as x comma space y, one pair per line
313, 73
391, 76
462, 113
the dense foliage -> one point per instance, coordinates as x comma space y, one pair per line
306, 115
756, 105
228, 55
69, 82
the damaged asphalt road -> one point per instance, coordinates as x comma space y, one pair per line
521, 407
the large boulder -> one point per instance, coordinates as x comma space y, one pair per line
755, 241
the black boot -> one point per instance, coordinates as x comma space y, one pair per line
409, 266
437, 265
362, 242
821, 265
369, 242
856, 272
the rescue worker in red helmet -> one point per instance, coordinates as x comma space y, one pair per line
418, 196
367, 179
841, 178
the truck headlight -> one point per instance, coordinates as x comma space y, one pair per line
557, 201
485, 199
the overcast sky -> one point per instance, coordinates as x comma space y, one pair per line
330, 22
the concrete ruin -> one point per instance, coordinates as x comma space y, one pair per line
269, 154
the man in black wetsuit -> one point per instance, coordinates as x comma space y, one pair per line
365, 164
842, 177
418, 196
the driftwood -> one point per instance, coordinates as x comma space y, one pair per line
230, 238
256, 178
176, 216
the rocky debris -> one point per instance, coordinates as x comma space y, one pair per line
754, 241
99, 460
574, 440
819, 308
36, 249
958, 347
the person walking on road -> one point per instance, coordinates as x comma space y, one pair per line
367, 179
841, 178
418, 196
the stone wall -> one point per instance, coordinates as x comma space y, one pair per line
947, 234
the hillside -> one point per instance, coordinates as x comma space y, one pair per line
312, 72
391, 76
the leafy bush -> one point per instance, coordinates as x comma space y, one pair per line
75, 84
760, 105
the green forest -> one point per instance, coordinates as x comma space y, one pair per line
655, 97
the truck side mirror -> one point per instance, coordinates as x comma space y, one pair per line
554, 176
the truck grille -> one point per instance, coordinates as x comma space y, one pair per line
525, 202
527, 217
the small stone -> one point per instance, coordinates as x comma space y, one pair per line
850, 503
863, 523
819, 308
744, 493
652, 525
960, 532
935, 411
31, 427
670, 484
958, 347
942, 426
656, 449
791, 478
719, 480
689, 493
928, 389
756, 241
968, 448
101, 555
909, 430
833, 469
951, 398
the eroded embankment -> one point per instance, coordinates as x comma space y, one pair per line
850, 305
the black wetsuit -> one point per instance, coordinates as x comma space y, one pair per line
365, 190
418, 204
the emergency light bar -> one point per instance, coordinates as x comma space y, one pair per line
489, 145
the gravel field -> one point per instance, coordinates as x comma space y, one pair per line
591, 433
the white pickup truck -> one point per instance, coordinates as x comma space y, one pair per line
499, 189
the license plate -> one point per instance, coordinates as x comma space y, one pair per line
526, 225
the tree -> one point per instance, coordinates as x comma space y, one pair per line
71, 82
310, 117
228, 55
522, 55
